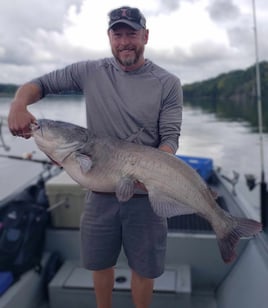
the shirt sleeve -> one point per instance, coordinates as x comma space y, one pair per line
171, 116
66, 80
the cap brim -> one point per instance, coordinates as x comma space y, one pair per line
133, 25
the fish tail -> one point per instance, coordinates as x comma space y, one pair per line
243, 227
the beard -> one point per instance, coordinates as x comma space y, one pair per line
128, 60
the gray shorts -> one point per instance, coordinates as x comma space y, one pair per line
107, 225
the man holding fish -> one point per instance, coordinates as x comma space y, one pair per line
131, 98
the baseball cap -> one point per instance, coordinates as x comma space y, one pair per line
127, 15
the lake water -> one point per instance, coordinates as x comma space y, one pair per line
232, 145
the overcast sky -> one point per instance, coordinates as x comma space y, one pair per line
194, 39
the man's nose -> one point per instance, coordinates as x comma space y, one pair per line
125, 39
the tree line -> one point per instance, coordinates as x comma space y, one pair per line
8, 89
232, 95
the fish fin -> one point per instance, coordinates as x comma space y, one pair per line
124, 189
244, 228
165, 206
84, 161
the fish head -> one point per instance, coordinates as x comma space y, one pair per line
57, 139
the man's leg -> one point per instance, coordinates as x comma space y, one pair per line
101, 243
103, 284
142, 290
144, 241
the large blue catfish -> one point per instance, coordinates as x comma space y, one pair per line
112, 165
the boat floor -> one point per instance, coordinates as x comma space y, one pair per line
190, 279
73, 286
195, 301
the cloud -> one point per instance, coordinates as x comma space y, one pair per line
27, 15
223, 10
169, 5
197, 62
194, 39
23, 26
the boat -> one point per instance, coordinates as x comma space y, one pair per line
195, 275
3, 121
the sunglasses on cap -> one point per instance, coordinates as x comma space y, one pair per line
133, 15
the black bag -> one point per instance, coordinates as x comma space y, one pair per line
22, 236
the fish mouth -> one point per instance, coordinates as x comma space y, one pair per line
35, 126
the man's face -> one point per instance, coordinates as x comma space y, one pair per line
127, 46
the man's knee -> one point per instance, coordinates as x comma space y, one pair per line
141, 279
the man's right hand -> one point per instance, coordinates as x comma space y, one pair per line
20, 120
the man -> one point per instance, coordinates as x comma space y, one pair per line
125, 95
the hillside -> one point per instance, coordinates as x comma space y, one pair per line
7, 89
231, 95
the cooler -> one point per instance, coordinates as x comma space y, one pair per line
66, 201
203, 165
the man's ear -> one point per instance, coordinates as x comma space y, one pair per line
146, 36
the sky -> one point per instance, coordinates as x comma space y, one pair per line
193, 39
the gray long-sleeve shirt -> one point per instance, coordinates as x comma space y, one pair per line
120, 103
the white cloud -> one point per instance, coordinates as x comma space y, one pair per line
195, 39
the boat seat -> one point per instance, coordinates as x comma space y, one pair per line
26, 292
73, 286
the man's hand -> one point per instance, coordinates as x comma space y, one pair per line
140, 186
166, 148
19, 120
